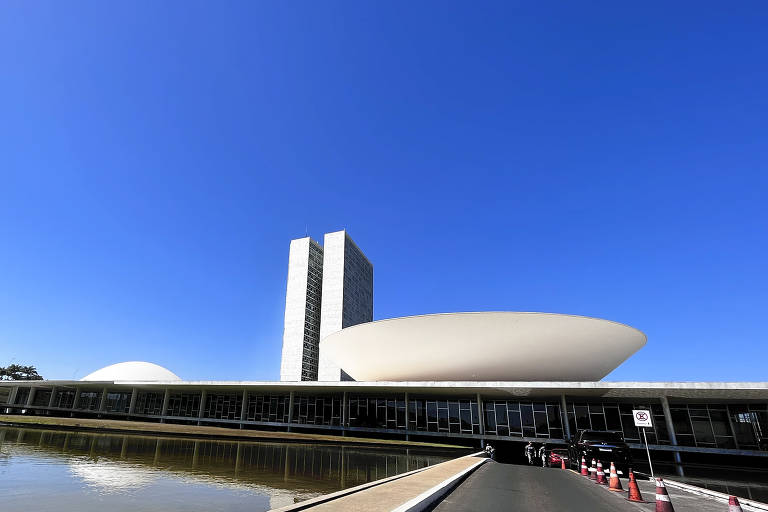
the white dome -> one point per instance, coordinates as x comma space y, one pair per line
132, 370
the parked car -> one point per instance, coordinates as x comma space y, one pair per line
605, 446
556, 455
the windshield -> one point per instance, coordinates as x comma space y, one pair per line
608, 437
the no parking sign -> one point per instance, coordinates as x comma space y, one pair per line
642, 418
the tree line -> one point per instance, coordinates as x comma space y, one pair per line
19, 372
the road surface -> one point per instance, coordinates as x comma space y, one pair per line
497, 487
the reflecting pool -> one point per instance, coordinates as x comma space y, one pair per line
46, 470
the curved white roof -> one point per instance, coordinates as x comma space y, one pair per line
132, 370
484, 346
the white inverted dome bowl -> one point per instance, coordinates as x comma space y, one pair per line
132, 370
483, 346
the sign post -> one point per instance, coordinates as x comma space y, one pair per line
642, 419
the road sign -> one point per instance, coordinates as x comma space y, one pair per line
642, 418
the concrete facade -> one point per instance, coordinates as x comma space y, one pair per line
347, 294
301, 334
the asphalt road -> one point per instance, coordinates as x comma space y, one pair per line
498, 487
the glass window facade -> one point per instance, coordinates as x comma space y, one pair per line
267, 408
186, 405
317, 410
118, 401
454, 416
223, 406
149, 403
89, 400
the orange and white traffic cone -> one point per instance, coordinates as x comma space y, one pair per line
562, 463
634, 490
733, 504
615, 483
663, 503
584, 470
593, 471
600, 474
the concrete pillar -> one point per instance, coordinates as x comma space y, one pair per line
52, 400
103, 403
164, 411
481, 417
75, 400
12, 397
672, 436
132, 405
290, 410
31, 397
407, 436
244, 407
344, 414
564, 414
201, 413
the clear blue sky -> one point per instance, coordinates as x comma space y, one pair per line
604, 159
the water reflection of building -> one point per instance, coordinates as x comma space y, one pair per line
127, 461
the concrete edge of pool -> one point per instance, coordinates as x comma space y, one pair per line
408, 492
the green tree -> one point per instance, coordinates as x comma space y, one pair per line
19, 372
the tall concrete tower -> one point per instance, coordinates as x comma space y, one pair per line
301, 334
347, 294
329, 288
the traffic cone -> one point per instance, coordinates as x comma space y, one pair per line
615, 482
584, 470
600, 474
593, 471
733, 504
634, 490
663, 503
562, 463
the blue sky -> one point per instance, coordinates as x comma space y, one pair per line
603, 159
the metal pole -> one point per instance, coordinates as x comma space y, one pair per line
648, 452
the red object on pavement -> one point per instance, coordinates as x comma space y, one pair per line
634, 490
733, 504
600, 474
615, 482
593, 471
663, 503
584, 470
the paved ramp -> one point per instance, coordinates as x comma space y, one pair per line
497, 487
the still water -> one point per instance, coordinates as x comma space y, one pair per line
46, 470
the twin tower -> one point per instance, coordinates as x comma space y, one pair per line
330, 287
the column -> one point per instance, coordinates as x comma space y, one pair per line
671, 431
75, 400
103, 403
201, 413
290, 410
407, 436
344, 415
52, 401
31, 397
132, 405
564, 414
166, 398
244, 407
481, 417
12, 398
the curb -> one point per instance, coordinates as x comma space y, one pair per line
325, 498
431, 496
745, 503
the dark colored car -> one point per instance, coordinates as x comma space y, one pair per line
604, 446
555, 457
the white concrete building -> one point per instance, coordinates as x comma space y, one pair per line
347, 294
329, 288
301, 334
